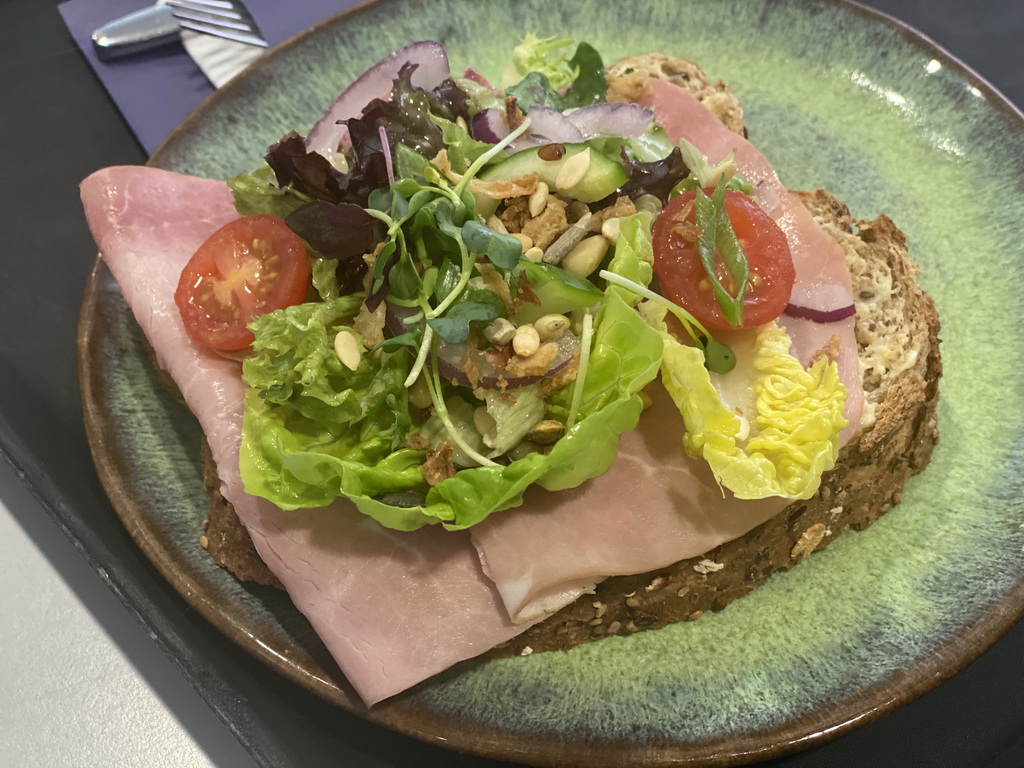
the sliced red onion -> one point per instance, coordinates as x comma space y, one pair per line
598, 121
489, 126
450, 359
326, 135
547, 126
820, 315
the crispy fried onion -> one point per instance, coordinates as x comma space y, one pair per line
495, 190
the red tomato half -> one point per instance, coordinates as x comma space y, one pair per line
681, 273
247, 268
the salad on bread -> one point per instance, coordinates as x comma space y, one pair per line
540, 349
453, 291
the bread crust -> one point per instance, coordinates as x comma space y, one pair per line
894, 441
627, 81
226, 539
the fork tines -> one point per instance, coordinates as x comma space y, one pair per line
228, 19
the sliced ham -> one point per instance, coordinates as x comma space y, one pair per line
656, 506
396, 608
392, 608
822, 277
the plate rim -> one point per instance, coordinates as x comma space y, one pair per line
793, 736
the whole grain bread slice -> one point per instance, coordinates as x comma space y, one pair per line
897, 332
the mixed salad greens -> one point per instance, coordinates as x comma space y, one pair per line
479, 317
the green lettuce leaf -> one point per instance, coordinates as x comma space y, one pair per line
256, 193
626, 352
587, 450
786, 443
314, 430
513, 418
311, 421
325, 278
480, 96
548, 56
634, 255
542, 73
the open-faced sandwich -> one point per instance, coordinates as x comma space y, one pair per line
505, 370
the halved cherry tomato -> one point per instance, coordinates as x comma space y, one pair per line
247, 268
681, 273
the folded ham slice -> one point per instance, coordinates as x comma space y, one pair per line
392, 608
656, 506
822, 277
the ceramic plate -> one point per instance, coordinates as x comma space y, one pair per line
837, 97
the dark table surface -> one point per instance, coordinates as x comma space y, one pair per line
57, 125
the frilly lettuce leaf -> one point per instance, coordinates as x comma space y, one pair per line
542, 72
790, 440
549, 56
313, 429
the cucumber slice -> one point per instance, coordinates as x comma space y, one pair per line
560, 292
604, 175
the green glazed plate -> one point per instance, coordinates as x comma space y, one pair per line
837, 97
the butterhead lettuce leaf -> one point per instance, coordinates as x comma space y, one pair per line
791, 438
314, 430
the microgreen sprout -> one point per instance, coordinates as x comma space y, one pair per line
718, 237
386, 149
433, 380
445, 220
421, 356
586, 336
485, 158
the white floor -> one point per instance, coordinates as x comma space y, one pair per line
81, 681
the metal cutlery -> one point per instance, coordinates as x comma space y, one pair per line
162, 23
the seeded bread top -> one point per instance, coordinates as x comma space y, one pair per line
896, 324
627, 79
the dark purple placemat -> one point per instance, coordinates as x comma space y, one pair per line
169, 72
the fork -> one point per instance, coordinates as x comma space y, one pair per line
162, 23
